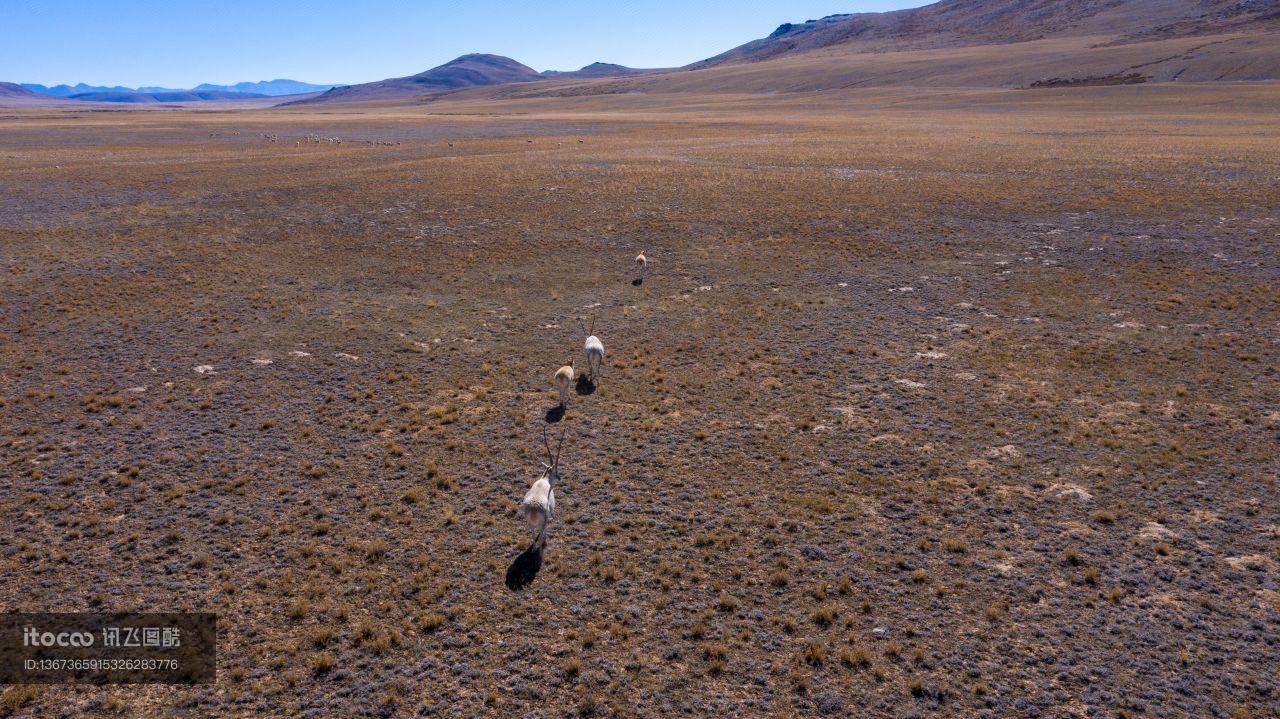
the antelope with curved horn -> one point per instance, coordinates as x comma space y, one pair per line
594, 349
539, 502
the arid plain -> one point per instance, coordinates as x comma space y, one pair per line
933, 403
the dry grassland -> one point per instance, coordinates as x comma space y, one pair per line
934, 403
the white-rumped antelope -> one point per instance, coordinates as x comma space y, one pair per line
594, 350
539, 502
564, 381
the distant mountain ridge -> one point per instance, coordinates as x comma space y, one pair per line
264, 87
81, 88
272, 88
166, 96
471, 70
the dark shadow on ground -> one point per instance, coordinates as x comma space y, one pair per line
585, 385
637, 282
555, 414
524, 569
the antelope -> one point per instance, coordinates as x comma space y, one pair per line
595, 351
563, 381
540, 501
642, 264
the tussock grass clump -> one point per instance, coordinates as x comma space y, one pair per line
815, 654
855, 657
323, 663
824, 615
375, 550
320, 637
431, 621
801, 680
298, 609
1105, 516
714, 650
16, 696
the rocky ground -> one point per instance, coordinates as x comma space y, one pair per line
951, 404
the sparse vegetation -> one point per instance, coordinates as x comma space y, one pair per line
1039, 426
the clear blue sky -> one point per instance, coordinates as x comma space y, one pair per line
180, 43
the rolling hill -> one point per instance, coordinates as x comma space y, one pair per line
12, 93
956, 23
595, 69
9, 89
466, 71
972, 43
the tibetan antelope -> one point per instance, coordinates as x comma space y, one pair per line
594, 349
539, 502
563, 381
642, 264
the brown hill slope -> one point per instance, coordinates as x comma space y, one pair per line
10, 89
1249, 52
465, 71
953, 23
1050, 62
14, 91
11, 93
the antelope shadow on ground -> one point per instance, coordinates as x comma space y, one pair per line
555, 414
585, 385
524, 568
